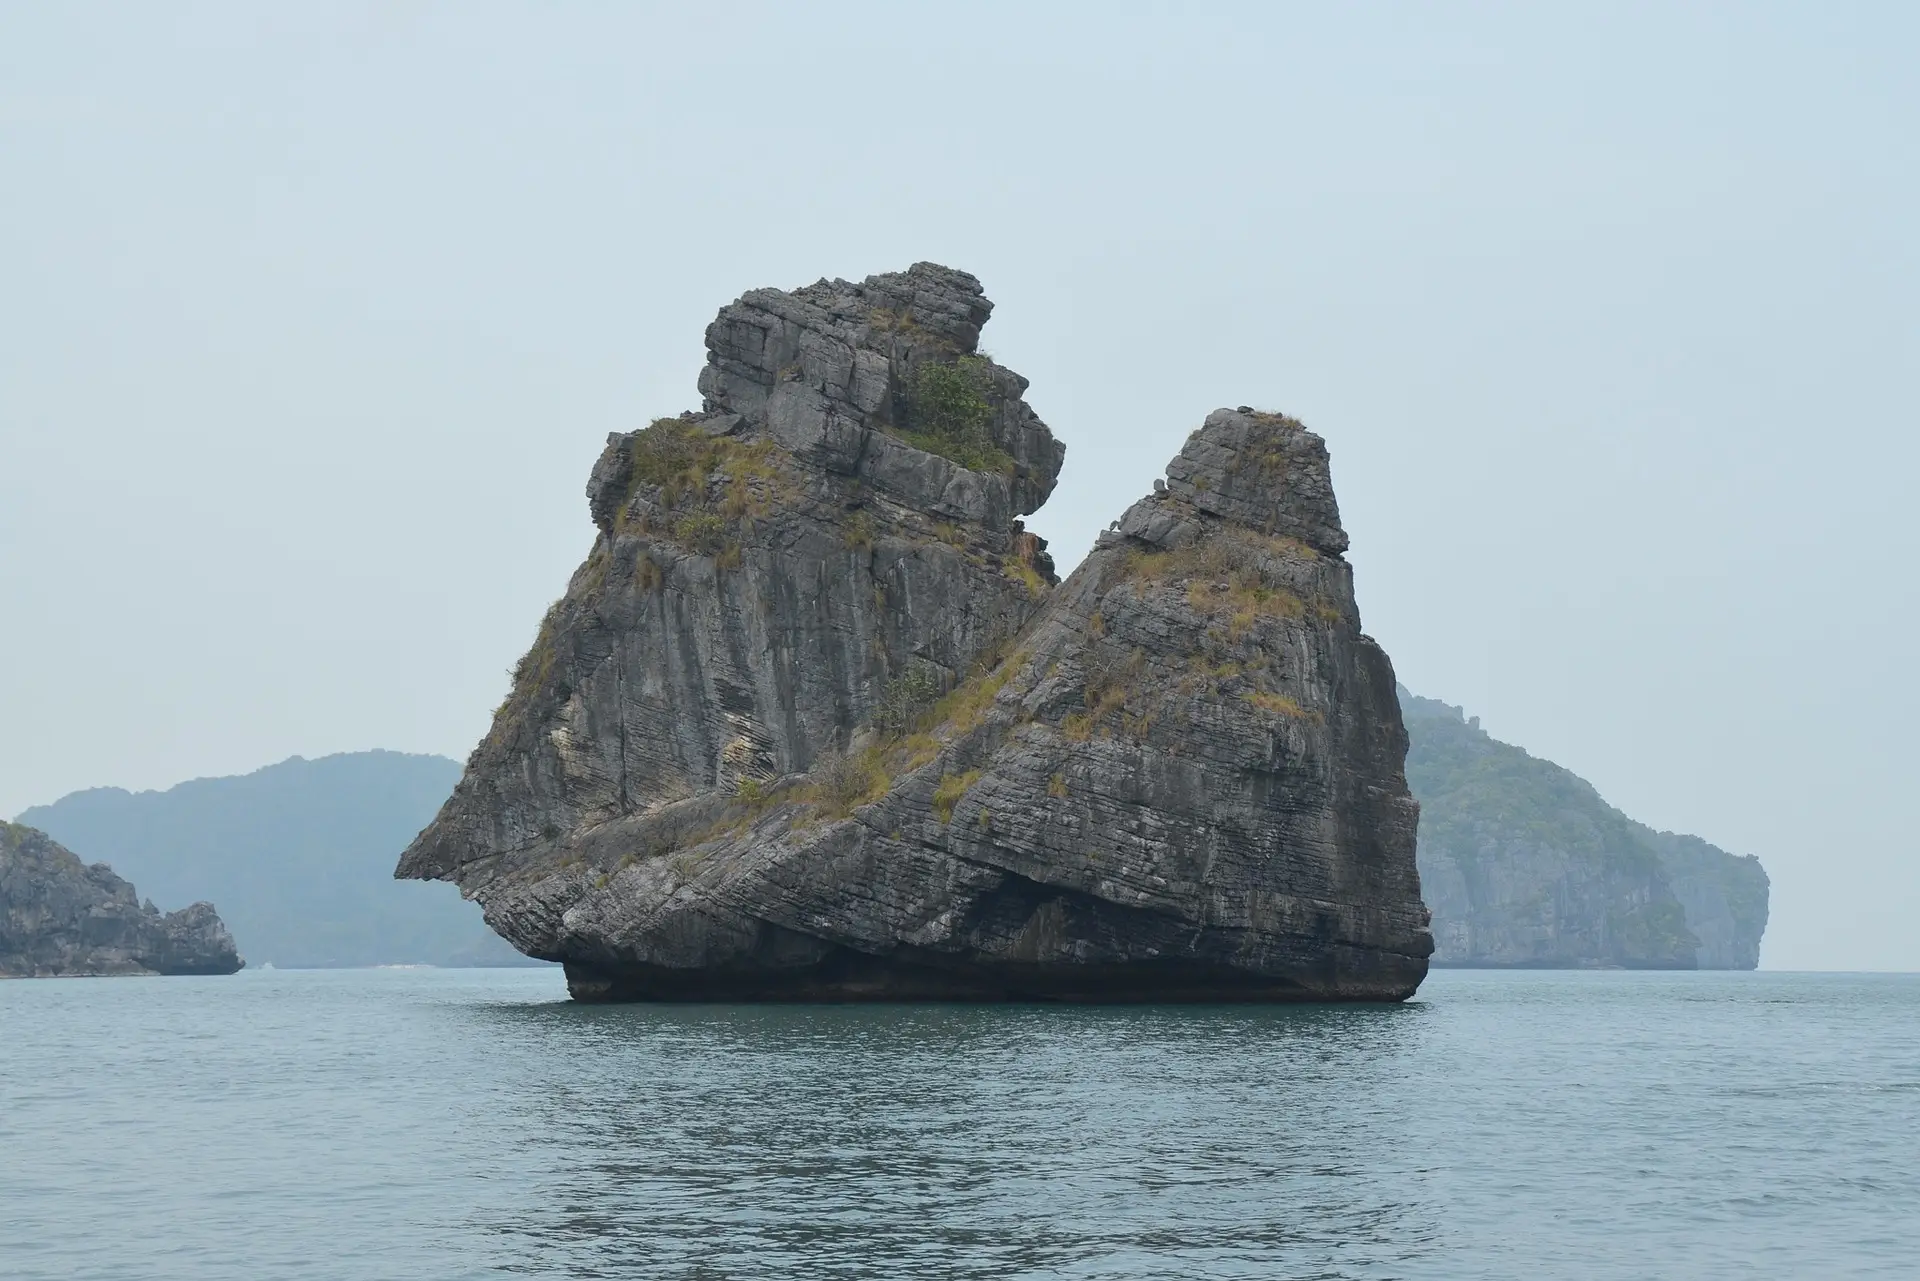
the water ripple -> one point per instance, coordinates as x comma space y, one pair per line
455, 1124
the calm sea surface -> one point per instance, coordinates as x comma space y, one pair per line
446, 1124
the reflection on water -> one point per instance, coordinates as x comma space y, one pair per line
956, 1141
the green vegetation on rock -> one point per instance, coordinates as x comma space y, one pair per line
907, 699
707, 490
949, 414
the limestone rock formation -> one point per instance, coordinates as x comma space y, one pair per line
299, 856
813, 720
60, 916
1525, 865
1723, 895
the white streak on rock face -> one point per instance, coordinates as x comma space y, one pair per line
1176, 776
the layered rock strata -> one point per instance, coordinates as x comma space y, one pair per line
62, 917
1526, 866
813, 721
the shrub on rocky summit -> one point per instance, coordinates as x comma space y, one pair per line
948, 414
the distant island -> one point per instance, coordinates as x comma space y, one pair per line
298, 855
1524, 865
63, 917
1521, 861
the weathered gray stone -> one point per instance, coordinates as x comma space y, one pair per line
1177, 776
60, 916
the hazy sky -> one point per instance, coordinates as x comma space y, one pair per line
314, 317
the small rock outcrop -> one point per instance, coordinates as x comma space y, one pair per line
62, 917
1526, 866
814, 721
299, 856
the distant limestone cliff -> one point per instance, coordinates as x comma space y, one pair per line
1524, 865
299, 855
61, 917
815, 720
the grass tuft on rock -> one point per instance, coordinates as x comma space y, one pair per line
839, 784
952, 787
1026, 575
712, 487
1280, 705
1225, 578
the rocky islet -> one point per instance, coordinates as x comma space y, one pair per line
814, 719
61, 917
299, 856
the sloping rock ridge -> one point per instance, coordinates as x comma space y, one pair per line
62, 917
813, 720
1526, 866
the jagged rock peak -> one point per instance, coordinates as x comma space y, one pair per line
1263, 471
822, 369
60, 916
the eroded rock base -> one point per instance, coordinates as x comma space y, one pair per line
850, 976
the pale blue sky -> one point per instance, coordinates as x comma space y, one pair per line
313, 318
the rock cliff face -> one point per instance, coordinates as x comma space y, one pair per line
1723, 895
813, 720
1525, 865
59, 916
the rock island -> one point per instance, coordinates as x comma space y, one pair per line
815, 718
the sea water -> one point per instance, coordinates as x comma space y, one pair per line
447, 1124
